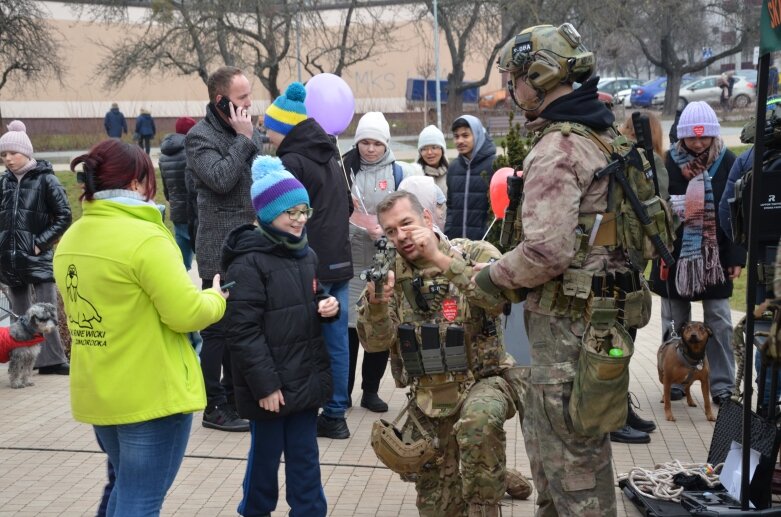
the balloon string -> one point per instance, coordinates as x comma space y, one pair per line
341, 162
489, 229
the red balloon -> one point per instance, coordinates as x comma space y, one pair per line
498, 190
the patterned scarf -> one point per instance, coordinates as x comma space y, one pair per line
698, 265
297, 246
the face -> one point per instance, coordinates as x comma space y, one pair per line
274, 138
526, 96
14, 161
698, 144
292, 220
465, 140
431, 154
239, 92
371, 150
393, 222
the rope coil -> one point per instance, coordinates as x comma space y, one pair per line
658, 484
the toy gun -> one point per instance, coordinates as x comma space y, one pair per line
644, 139
616, 169
514, 192
383, 261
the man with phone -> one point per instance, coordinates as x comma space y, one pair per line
220, 150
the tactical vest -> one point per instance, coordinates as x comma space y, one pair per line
445, 344
623, 295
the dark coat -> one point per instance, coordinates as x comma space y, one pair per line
173, 162
145, 125
115, 124
730, 254
34, 212
273, 326
308, 153
467, 190
219, 161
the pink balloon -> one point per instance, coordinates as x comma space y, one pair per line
330, 101
500, 200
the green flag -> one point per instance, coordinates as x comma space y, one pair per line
770, 26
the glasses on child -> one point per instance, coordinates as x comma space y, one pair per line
297, 215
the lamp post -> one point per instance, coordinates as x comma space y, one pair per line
436, 66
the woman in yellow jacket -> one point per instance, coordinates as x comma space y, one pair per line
130, 304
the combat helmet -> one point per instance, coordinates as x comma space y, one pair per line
548, 55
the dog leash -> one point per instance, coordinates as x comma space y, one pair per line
8, 311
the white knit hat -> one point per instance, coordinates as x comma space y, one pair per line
431, 135
373, 126
16, 139
698, 120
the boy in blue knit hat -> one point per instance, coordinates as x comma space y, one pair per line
281, 367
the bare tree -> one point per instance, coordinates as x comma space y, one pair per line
29, 46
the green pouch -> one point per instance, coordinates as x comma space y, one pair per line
637, 307
598, 403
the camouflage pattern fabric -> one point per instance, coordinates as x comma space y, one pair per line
471, 468
572, 473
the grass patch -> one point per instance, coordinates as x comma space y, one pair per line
73, 189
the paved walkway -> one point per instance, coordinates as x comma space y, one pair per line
51, 465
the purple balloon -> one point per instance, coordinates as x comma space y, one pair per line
330, 101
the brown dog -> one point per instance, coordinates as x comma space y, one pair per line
681, 360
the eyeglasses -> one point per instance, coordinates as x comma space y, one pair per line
430, 149
296, 215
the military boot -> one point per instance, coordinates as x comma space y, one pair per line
633, 419
484, 510
518, 486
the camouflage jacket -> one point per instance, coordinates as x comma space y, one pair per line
559, 185
455, 301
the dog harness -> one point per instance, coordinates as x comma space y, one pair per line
692, 363
7, 343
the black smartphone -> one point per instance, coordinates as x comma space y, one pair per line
224, 106
227, 287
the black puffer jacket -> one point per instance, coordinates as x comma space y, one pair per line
730, 254
308, 153
173, 162
33, 213
274, 328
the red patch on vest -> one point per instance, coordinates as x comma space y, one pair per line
383, 184
450, 309
698, 130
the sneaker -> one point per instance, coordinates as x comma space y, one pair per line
330, 427
373, 402
628, 435
634, 421
224, 418
56, 369
676, 393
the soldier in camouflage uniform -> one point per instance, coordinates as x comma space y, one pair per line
572, 473
465, 407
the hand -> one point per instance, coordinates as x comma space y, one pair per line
375, 232
328, 308
734, 272
36, 249
240, 121
216, 286
426, 241
479, 266
387, 290
272, 402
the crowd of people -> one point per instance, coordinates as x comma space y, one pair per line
276, 354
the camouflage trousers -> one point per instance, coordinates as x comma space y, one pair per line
573, 474
471, 464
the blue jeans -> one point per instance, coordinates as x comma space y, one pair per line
146, 457
296, 436
335, 335
182, 237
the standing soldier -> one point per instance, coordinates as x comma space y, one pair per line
445, 344
568, 255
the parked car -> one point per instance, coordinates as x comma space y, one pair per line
623, 98
706, 89
643, 96
494, 100
612, 85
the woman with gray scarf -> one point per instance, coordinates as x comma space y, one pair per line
375, 174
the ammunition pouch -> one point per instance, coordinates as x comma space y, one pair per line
598, 402
441, 395
397, 450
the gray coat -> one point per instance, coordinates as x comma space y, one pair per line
219, 162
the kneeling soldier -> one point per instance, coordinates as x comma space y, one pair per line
445, 346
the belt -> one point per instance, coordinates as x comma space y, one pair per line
626, 282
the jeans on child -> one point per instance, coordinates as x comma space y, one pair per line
335, 335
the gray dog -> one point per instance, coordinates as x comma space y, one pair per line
40, 318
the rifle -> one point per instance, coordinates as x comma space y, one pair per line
383, 260
514, 192
644, 139
615, 169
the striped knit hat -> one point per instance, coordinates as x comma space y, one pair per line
16, 139
287, 111
274, 189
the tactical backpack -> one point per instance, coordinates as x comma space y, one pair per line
620, 225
